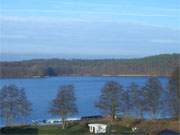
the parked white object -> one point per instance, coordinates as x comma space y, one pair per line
134, 129
73, 119
97, 128
53, 121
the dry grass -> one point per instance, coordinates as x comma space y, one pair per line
145, 127
152, 127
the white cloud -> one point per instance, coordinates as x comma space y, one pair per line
79, 37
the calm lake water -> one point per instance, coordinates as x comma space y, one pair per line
40, 91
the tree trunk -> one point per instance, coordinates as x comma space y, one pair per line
63, 123
113, 116
9, 121
154, 114
23, 120
141, 114
113, 112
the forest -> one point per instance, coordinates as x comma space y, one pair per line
159, 65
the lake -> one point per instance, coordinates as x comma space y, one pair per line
40, 91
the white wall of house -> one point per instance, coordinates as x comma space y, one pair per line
97, 128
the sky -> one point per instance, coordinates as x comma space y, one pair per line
88, 28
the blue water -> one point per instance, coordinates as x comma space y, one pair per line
40, 91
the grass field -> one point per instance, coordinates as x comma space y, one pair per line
56, 130
120, 127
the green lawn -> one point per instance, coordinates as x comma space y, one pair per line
77, 129
56, 130
45, 130
120, 127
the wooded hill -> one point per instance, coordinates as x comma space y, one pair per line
160, 65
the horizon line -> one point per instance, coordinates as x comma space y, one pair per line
80, 58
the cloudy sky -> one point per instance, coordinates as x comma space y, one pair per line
88, 28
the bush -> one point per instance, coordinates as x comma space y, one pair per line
19, 130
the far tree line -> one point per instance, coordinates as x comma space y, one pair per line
114, 100
160, 65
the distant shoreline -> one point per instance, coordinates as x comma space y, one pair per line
136, 75
149, 66
40, 77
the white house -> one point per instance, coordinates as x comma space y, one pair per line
97, 128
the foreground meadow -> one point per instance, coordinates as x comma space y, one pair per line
117, 127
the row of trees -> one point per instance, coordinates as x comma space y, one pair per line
114, 100
150, 98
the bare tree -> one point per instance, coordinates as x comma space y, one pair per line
13, 103
152, 94
64, 103
174, 93
8, 102
137, 100
126, 104
24, 105
110, 99
134, 92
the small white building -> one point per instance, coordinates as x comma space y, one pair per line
97, 128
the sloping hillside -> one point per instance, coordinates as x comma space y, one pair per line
153, 65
